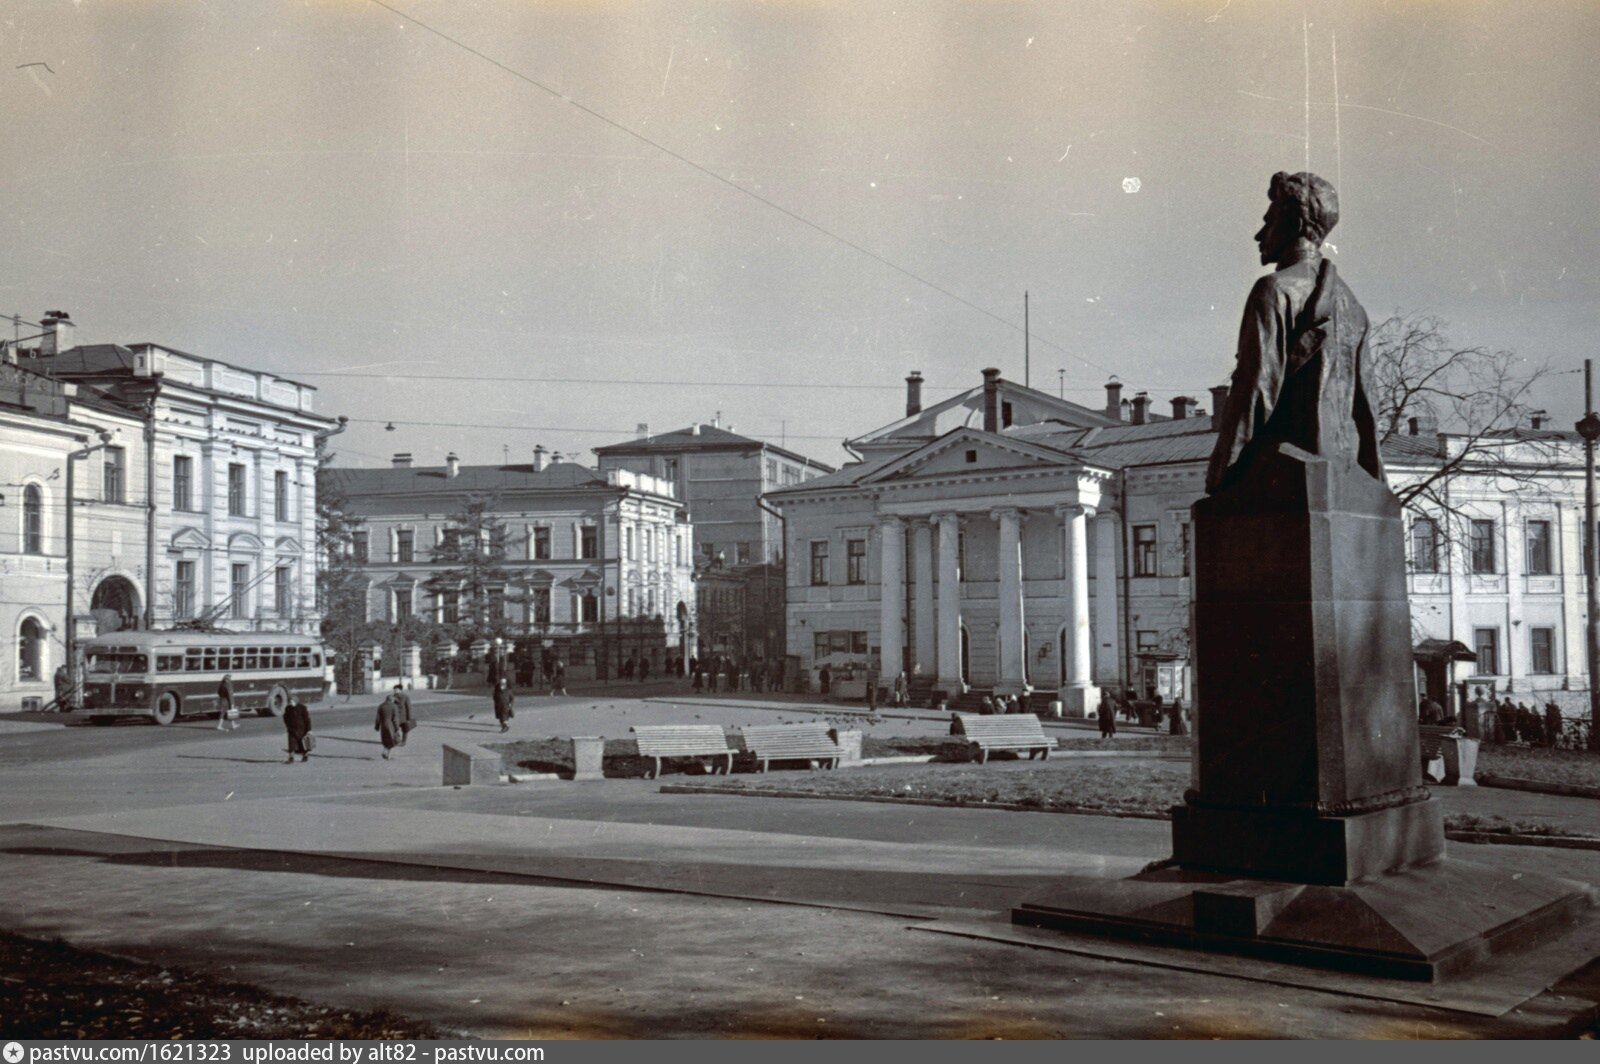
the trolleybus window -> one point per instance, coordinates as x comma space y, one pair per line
169, 662
118, 660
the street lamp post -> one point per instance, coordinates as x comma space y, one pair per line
1589, 429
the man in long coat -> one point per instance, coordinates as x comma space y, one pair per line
502, 705
297, 723
402, 712
387, 724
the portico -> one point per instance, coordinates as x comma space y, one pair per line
990, 543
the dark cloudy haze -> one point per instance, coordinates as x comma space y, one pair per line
322, 187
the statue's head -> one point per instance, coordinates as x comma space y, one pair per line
1303, 206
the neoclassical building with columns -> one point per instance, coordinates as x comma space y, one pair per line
978, 542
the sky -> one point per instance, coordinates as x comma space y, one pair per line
507, 223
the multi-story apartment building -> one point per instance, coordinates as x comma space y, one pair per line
597, 567
720, 476
206, 508
1052, 550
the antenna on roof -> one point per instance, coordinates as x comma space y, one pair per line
1027, 358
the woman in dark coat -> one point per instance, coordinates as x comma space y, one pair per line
388, 725
297, 722
502, 706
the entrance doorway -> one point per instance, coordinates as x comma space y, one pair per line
115, 605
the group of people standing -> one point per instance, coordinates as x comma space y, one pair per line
719, 673
395, 720
1176, 717
1505, 722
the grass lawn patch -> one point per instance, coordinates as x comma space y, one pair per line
1575, 767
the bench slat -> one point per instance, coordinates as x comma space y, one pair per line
658, 741
791, 742
1010, 732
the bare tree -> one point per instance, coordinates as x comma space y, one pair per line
1420, 383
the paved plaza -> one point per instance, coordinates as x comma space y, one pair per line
607, 908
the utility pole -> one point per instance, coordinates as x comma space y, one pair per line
1027, 355
1589, 429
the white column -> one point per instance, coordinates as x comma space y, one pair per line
1013, 670
949, 622
922, 654
1107, 628
1079, 696
892, 594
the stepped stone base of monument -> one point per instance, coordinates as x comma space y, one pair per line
1430, 923
1303, 847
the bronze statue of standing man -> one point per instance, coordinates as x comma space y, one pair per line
1301, 346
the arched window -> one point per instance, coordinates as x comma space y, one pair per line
32, 520
30, 650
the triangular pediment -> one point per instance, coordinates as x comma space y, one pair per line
287, 545
190, 539
966, 451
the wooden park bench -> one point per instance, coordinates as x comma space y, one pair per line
791, 742
660, 741
1015, 731
1432, 737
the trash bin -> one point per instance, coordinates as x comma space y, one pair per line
1460, 760
588, 757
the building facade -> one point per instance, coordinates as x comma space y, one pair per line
598, 567
203, 508
1054, 552
720, 476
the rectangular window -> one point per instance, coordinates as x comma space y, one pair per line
358, 547
541, 544
855, 561
1542, 643
496, 604
402, 604
588, 542
236, 492
116, 462
280, 495
742, 553
627, 542
450, 607
183, 590
239, 590
1145, 641
819, 646
1183, 547
772, 470
819, 563
283, 591
1483, 547
1144, 550
1488, 647
182, 482
405, 541
541, 605
1424, 545
1539, 553
591, 609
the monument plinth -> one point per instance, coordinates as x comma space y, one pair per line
1308, 835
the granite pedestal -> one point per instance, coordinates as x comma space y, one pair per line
1308, 835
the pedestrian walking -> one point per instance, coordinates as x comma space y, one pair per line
63, 681
644, 669
902, 691
387, 725
502, 706
402, 706
558, 682
1107, 714
698, 682
227, 715
297, 725
1176, 725
825, 680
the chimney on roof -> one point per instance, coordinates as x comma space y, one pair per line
1538, 418
1114, 399
57, 336
644, 430
452, 465
914, 393
539, 454
991, 400
1182, 406
1141, 408
716, 422
402, 460
1423, 424
694, 430
1219, 397
555, 456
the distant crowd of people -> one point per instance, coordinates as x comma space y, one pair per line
1502, 722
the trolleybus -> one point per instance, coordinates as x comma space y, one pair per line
165, 675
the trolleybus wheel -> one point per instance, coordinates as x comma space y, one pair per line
166, 709
277, 701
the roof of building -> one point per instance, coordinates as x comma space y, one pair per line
116, 358
926, 423
702, 438
406, 480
